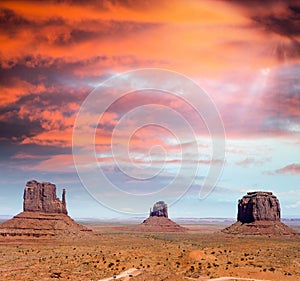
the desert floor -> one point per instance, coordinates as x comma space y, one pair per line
200, 254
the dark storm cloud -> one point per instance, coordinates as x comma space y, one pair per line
72, 73
281, 17
57, 31
24, 118
137, 4
12, 22
16, 129
59, 98
295, 9
101, 29
88, 30
276, 17
36, 68
9, 150
285, 25
8, 18
106, 4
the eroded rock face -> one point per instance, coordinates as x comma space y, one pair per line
160, 209
41, 197
258, 206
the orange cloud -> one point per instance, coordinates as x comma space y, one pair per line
193, 37
51, 60
18, 88
61, 163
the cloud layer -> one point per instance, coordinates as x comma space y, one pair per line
245, 55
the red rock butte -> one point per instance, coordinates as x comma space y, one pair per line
158, 220
259, 214
41, 197
44, 215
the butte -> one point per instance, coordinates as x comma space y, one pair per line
259, 214
44, 215
158, 220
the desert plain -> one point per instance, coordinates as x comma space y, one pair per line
200, 253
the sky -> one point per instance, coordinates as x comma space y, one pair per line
232, 65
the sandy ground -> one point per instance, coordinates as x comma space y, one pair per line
200, 254
125, 275
133, 272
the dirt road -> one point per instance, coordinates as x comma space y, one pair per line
125, 274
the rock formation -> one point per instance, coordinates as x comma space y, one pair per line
258, 206
259, 214
158, 220
41, 197
44, 215
160, 209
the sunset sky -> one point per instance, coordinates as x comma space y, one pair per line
244, 54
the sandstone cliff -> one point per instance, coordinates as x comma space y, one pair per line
44, 215
259, 214
258, 206
41, 197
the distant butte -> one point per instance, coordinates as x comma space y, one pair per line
158, 220
44, 215
160, 209
259, 214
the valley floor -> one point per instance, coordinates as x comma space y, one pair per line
200, 254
